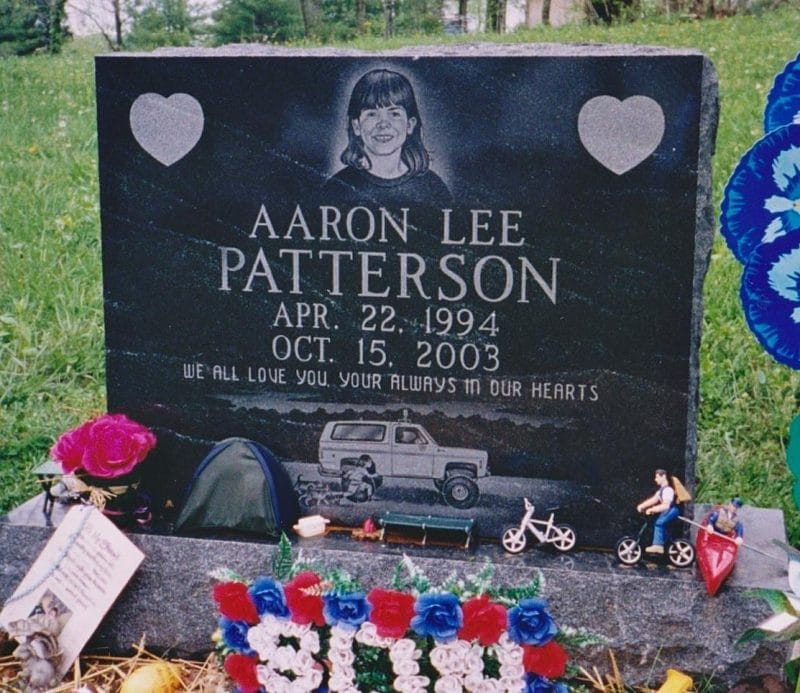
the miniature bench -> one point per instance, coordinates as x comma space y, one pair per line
434, 529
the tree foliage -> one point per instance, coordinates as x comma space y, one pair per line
30, 25
257, 21
419, 17
343, 20
162, 23
281, 21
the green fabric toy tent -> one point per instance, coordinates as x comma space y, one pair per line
240, 485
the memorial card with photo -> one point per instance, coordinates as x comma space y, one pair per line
432, 284
69, 588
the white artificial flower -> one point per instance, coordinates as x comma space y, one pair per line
262, 642
440, 659
307, 683
505, 642
475, 683
473, 662
348, 671
310, 642
448, 684
516, 671
405, 667
340, 683
511, 684
295, 630
315, 678
509, 653
278, 684
303, 661
368, 635
262, 674
411, 684
449, 658
272, 625
341, 638
463, 647
404, 648
341, 657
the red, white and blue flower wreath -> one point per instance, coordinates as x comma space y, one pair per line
317, 632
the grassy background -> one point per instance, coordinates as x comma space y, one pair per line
51, 335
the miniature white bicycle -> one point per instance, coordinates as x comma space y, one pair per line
562, 537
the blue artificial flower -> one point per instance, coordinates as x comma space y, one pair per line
530, 623
783, 100
349, 610
539, 684
782, 111
761, 198
234, 635
771, 298
268, 596
438, 615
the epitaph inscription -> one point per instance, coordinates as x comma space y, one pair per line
399, 271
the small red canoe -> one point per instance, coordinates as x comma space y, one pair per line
716, 555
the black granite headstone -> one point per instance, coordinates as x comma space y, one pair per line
349, 257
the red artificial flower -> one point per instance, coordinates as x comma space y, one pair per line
109, 446
548, 660
391, 612
242, 669
235, 602
484, 620
70, 446
304, 599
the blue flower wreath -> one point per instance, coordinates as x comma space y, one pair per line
771, 297
783, 101
762, 197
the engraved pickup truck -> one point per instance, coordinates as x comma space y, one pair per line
402, 449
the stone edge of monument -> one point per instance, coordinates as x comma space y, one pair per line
704, 242
463, 50
653, 617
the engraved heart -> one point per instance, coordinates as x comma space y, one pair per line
621, 134
167, 128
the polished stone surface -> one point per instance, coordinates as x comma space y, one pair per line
654, 616
542, 302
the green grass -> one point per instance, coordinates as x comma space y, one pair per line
51, 336
51, 340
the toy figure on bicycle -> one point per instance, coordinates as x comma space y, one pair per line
666, 540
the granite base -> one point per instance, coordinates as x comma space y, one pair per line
653, 616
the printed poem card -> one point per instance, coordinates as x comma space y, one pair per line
76, 578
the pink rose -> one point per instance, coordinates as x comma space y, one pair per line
109, 446
68, 449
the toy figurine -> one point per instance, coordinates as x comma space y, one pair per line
718, 544
39, 651
725, 520
666, 540
663, 502
562, 537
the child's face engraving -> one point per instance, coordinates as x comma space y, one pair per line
384, 129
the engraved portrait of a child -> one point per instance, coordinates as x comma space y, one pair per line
385, 160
